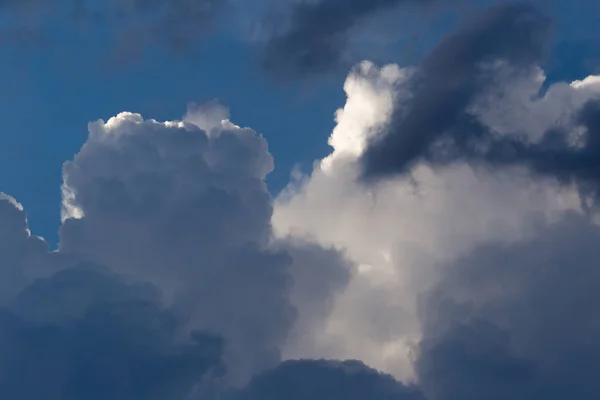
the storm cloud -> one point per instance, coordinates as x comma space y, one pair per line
459, 69
439, 124
325, 379
316, 38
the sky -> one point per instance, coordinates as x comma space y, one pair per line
324, 199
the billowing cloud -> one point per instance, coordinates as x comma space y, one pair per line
452, 78
24, 257
399, 231
187, 209
72, 331
112, 345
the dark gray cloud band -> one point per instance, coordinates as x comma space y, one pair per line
316, 38
452, 76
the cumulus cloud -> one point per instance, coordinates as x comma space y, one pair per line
113, 345
471, 280
403, 232
188, 210
71, 331
466, 73
167, 268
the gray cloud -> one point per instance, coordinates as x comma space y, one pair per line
517, 321
188, 212
451, 78
166, 233
325, 379
316, 38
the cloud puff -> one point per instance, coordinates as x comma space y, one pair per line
188, 210
471, 280
401, 230
166, 233
451, 79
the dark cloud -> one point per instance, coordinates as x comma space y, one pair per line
23, 257
316, 38
459, 69
324, 379
553, 156
98, 341
518, 320
187, 211
438, 126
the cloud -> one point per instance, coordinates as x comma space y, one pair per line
70, 330
188, 210
450, 80
167, 268
113, 346
441, 122
399, 231
323, 379
516, 321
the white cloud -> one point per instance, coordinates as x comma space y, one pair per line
399, 231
